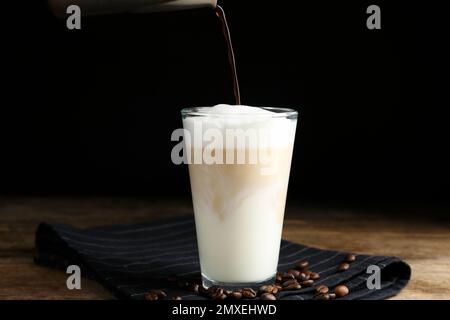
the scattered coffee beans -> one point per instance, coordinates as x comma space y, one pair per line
268, 289
307, 283
303, 276
161, 294
268, 296
236, 295
150, 296
322, 289
289, 282
155, 295
341, 291
344, 266
294, 272
302, 264
215, 293
287, 276
350, 257
248, 293
291, 285
293, 279
314, 276
223, 296
194, 287
322, 296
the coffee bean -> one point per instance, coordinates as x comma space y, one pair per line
155, 295
177, 298
344, 266
294, 272
322, 289
291, 285
214, 292
278, 278
350, 257
268, 289
268, 296
341, 291
278, 288
303, 276
302, 264
214, 296
159, 293
264, 289
235, 295
322, 296
151, 296
287, 276
218, 295
222, 296
314, 276
289, 282
307, 283
332, 296
248, 293
294, 286
193, 287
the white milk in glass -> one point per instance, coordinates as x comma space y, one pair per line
239, 208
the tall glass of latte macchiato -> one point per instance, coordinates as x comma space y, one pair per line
239, 161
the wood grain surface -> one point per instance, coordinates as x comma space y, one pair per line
422, 239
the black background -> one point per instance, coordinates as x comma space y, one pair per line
91, 111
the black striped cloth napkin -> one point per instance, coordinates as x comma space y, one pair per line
130, 260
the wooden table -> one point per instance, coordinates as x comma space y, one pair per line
421, 239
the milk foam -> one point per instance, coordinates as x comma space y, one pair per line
281, 131
225, 109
